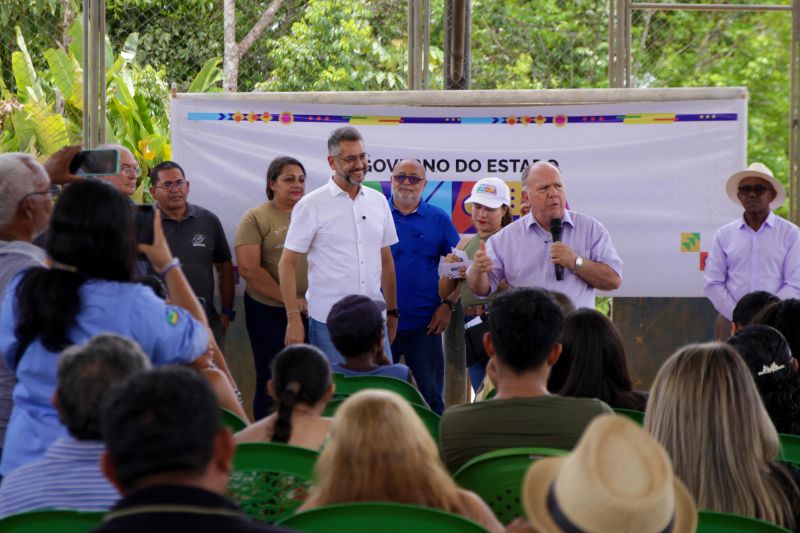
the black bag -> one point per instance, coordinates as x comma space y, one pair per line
473, 342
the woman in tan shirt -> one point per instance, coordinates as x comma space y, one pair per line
259, 244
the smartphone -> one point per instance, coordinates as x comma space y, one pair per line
95, 163
144, 224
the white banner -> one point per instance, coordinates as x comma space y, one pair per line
652, 172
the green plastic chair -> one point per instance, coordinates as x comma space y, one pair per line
347, 385
636, 416
50, 520
231, 420
378, 516
713, 522
429, 418
271, 480
497, 477
790, 448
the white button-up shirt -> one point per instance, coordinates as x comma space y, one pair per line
343, 238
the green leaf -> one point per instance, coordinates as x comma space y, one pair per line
208, 76
62, 71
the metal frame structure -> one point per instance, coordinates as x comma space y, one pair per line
620, 75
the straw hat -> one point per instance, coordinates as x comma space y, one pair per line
756, 170
618, 479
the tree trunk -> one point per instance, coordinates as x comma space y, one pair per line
230, 62
233, 51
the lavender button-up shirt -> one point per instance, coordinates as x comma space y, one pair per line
742, 260
520, 254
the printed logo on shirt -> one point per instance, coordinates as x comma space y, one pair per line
199, 240
172, 316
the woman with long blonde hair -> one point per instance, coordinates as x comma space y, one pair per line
379, 450
704, 408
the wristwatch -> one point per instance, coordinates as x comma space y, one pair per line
450, 303
578, 263
230, 313
393, 312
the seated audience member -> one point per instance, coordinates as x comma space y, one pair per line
25, 207
170, 457
301, 387
705, 410
774, 370
522, 344
356, 327
557, 374
87, 291
785, 317
617, 480
748, 308
380, 451
596, 362
69, 475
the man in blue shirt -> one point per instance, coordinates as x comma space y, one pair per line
426, 233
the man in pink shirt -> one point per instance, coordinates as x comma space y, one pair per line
757, 252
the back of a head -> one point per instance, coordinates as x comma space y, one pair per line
160, 422
766, 353
525, 325
380, 450
20, 174
86, 374
92, 230
593, 349
750, 305
705, 410
355, 325
301, 374
785, 317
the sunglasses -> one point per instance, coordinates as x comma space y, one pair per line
758, 190
402, 178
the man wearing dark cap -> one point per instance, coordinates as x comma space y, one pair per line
759, 251
356, 327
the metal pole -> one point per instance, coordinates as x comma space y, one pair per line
93, 62
612, 44
709, 7
86, 70
101, 71
794, 118
426, 45
628, 14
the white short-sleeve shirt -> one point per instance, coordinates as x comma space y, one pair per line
343, 238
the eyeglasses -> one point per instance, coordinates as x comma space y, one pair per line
170, 185
352, 159
402, 178
34, 193
758, 190
127, 169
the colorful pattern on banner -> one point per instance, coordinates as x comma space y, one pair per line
652, 173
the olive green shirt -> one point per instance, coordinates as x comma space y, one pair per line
551, 421
266, 226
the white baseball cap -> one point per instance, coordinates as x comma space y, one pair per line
490, 192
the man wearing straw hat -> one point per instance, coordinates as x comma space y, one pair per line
759, 251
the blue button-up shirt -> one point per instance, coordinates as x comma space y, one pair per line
425, 235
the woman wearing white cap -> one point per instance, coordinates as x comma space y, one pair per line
490, 200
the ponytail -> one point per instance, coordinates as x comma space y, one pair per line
47, 302
287, 399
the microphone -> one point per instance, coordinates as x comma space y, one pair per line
555, 230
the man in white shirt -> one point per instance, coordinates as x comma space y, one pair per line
346, 229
